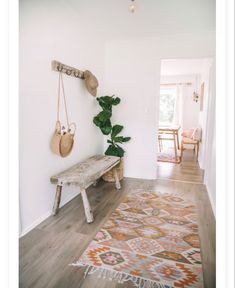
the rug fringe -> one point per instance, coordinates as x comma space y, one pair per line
119, 277
174, 194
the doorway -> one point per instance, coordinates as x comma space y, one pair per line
183, 98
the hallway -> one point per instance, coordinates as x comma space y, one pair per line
47, 251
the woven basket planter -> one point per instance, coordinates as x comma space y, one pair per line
109, 176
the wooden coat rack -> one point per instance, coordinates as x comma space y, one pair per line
68, 70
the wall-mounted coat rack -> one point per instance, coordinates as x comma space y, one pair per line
90, 80
70, 71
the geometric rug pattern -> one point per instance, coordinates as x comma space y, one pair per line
151, 239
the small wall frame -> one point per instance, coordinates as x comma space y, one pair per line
202, 96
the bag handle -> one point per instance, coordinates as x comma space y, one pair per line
58, 126
74, 128
61, 84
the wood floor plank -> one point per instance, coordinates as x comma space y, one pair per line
187, 170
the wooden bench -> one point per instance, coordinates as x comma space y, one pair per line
83, 175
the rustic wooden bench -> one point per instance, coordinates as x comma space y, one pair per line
83, 175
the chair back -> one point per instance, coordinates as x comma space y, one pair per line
197, 134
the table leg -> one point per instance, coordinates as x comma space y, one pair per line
197, 149
176, 156
86, 206
177, 137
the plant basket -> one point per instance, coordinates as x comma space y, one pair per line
109, 176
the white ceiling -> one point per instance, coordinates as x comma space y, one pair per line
111, 18
182, 66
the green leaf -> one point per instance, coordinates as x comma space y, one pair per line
96, 121
106, 127
120, 151
118, 139
126, 139
116, 101
114, 151
116, 130
109, 141
106, 102
105, 130
104, 115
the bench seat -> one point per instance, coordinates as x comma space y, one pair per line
87, 172
83, 175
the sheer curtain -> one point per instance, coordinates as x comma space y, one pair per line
178, 111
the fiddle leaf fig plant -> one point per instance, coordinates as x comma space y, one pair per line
103, 121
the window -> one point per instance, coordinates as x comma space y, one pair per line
167, 105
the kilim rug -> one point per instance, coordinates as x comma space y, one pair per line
168, 155
152, 240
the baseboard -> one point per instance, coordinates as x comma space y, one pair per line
211, 201
35, 223
68, 197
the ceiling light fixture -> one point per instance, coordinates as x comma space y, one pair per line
132, 7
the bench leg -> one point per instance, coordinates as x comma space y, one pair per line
87, 208
95, 183
117, 182
57, 200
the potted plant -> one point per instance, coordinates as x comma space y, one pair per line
103, 121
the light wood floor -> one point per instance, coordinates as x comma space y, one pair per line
188, 170
46, 251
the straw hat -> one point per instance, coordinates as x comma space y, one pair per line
91, 82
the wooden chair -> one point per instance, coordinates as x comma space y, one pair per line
191, 137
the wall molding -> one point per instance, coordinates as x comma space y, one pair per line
213, 206
48, 213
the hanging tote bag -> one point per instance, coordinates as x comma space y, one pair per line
67, 140
62, 139
56, 138
55, 141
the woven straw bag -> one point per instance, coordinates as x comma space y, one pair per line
56, 138
63, 139
66, 142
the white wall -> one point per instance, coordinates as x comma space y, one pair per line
132, 77
209, 142
132, 71
203, 115
50, 30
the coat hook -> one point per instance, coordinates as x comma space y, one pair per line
76, 74
68, 72
59, 68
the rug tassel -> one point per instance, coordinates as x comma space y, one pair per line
120, 277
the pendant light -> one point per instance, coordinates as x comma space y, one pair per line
132, 6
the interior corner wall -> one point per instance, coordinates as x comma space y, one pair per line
132, 72
210, 141
203, 115
47, 32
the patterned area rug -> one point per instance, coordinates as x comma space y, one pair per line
152, 240
168, 155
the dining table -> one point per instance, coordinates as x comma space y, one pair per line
172, 133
